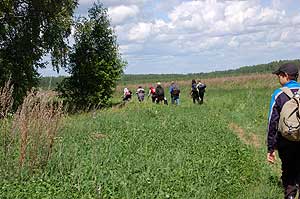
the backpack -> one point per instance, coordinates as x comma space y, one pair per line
289, 121
194, 89
160, 91
140, 90
201, 87
175, 91
152, 90
127, 93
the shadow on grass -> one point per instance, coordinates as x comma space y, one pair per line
275, 180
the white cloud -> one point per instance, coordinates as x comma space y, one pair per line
233, 42
140, 32
113, 2
153, 30
198, 26
212, 26
276, 4
172, 34
130, 48
268, 16
296, 20
121, 13
122, 2
85, 2
228, 17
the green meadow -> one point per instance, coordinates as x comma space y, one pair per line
144, 150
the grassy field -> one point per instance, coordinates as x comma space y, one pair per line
214, 150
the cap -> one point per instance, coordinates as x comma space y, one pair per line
288, 68
158, 83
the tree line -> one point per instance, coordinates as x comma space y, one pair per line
52, 82
259, 68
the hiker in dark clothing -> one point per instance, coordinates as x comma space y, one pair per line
201, 90
159, 93
194, 92
289, 151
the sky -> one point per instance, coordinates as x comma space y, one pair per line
184, 36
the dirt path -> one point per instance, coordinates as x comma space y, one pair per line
250, 139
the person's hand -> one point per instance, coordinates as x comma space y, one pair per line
271, 157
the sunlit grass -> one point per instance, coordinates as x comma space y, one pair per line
144, 150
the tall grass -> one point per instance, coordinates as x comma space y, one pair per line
6, 99
6, 102
37, 121
27, 136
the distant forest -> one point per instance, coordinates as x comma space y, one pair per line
48, 83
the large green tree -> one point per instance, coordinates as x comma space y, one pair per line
95, 62
30, 29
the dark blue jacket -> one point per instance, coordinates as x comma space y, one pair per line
277, 101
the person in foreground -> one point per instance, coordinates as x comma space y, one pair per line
284, 128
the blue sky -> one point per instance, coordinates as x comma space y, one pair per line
182, 36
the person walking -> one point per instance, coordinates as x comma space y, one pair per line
152, 93
126, 95
171, 90
140, 93
159, 93
201, 90
280, 127
194, 92
175, 92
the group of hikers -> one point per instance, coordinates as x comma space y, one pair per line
283, 132
157, 93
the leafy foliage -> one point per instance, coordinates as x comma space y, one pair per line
29, 29
95, 63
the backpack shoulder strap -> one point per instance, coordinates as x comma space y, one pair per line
288, 92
